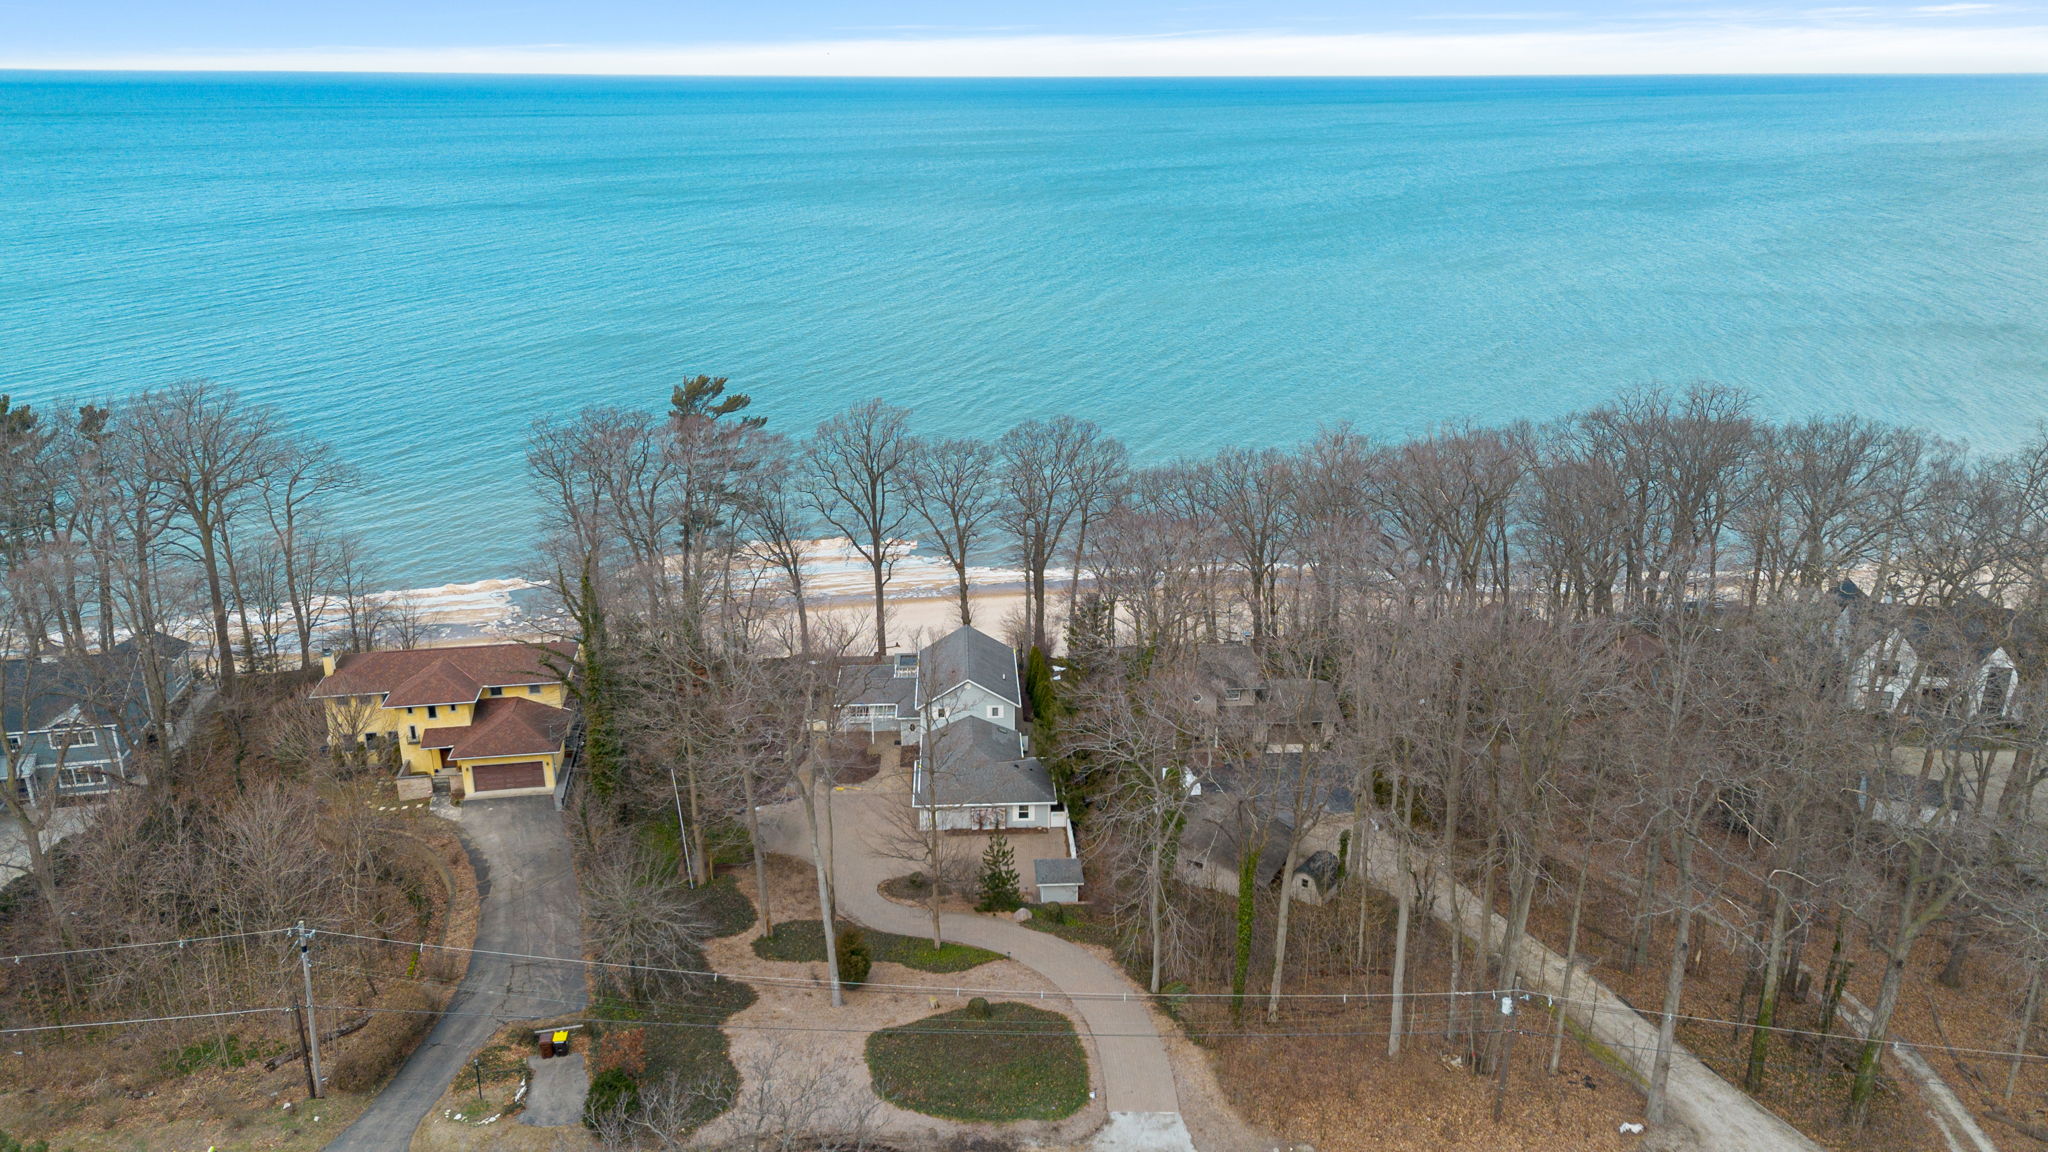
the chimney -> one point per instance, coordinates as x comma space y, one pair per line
327, 661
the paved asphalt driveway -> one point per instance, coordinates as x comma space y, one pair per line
521, 852
1137, 1079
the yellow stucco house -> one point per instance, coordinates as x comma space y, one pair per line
495, 714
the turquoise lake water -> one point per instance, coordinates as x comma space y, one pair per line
415, 268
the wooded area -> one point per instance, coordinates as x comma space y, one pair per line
1619, 651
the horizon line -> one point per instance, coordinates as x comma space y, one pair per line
16, 70
1679, 50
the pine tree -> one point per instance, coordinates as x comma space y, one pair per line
1038, 686
999, 884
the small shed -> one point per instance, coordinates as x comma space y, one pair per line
1318, 876
1058, 881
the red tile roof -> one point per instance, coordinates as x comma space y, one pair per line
419, 676
504, 726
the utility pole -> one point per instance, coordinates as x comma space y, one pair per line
304, 936
682, 831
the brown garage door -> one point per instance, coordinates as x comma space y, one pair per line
496, 777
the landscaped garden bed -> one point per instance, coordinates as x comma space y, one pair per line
986, 1062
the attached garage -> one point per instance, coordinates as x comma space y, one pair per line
500, 777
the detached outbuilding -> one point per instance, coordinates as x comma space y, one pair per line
1058, 881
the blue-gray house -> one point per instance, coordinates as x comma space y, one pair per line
73, 722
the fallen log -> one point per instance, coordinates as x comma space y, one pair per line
284, 1058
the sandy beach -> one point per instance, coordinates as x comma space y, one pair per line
921, 596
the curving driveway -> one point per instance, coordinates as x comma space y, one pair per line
521, 853
1136, 1077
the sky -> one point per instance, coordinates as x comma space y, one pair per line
1025, 37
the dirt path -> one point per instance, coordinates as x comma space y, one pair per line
1718, 1115
1137, 1077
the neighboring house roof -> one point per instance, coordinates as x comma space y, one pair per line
504, 726
974, 762
968, 655
1301, 701
168, 647
1221, 828
877, 684
1057, 871
413, 677
1230, 665
100, 688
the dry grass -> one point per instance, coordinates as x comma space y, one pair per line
110, 1092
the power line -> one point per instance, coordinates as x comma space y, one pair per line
179, 943
917, 989
138, 1020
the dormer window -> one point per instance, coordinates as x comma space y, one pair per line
75, 738
497, 691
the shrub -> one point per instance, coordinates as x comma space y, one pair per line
855, 962
978, 1008
612, 1092
1057, 913
374, 1053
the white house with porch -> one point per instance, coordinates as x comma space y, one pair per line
966, 673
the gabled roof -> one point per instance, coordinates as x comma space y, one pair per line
504, 726
1962, 635
968, 655
99, 688
1221, 828
413, 677
1230, 666
168, 647
972, 761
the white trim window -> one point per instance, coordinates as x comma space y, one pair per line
1023, 813
75, 737
995, 711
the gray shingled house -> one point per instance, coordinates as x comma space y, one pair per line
73, 722
976, 776
966, 673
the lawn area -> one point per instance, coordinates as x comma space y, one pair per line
726, 910
1072, 922
800, 941
1015, 1063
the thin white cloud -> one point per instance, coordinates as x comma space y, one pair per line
1953, 9
1504, 17
1865, 47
